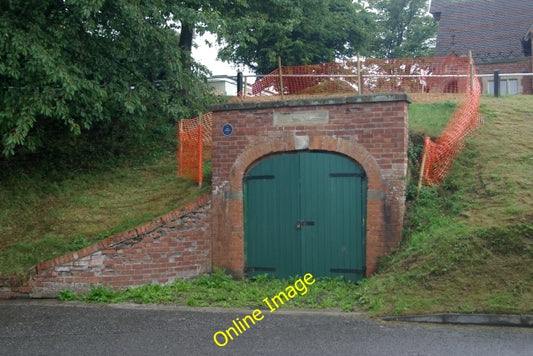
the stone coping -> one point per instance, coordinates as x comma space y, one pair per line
315, 101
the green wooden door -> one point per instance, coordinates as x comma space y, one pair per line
304, 213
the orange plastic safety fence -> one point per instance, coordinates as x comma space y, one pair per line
438, 156
194, 146
427, 79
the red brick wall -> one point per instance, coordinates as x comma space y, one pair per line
371, 129
522, 66
175, 246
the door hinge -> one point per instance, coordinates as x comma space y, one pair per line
247, 178
348, 270
259, 269
339, 175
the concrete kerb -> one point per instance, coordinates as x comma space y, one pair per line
53, 302
525, 321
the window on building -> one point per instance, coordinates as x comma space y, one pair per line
507, 86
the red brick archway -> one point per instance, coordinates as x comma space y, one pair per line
350, 149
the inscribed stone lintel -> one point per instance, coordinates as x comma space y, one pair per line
299, 118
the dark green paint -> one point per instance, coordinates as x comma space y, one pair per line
304, 213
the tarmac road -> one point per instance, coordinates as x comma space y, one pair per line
49, 327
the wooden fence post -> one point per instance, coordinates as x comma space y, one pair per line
200, 152
422, 169
180, 147
471, 71
359, 89
280, 77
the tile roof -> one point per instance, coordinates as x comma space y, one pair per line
489, 28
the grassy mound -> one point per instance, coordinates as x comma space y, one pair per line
468, 244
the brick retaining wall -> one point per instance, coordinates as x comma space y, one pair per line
174, 246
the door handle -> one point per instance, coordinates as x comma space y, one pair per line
301, 223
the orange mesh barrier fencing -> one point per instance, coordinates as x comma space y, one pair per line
424, 79
194, 146
438, 156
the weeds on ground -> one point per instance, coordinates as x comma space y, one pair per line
221, 290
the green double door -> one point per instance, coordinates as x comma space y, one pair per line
305, 213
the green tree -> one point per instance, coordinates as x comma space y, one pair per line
69, 67
300, 31
404, 28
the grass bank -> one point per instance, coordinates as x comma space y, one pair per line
45, 216
468, 244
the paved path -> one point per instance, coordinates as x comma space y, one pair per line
56, 328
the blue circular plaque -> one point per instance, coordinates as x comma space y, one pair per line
227, 129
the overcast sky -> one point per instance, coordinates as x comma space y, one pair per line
207, 56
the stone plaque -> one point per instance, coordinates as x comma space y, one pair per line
299, 118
